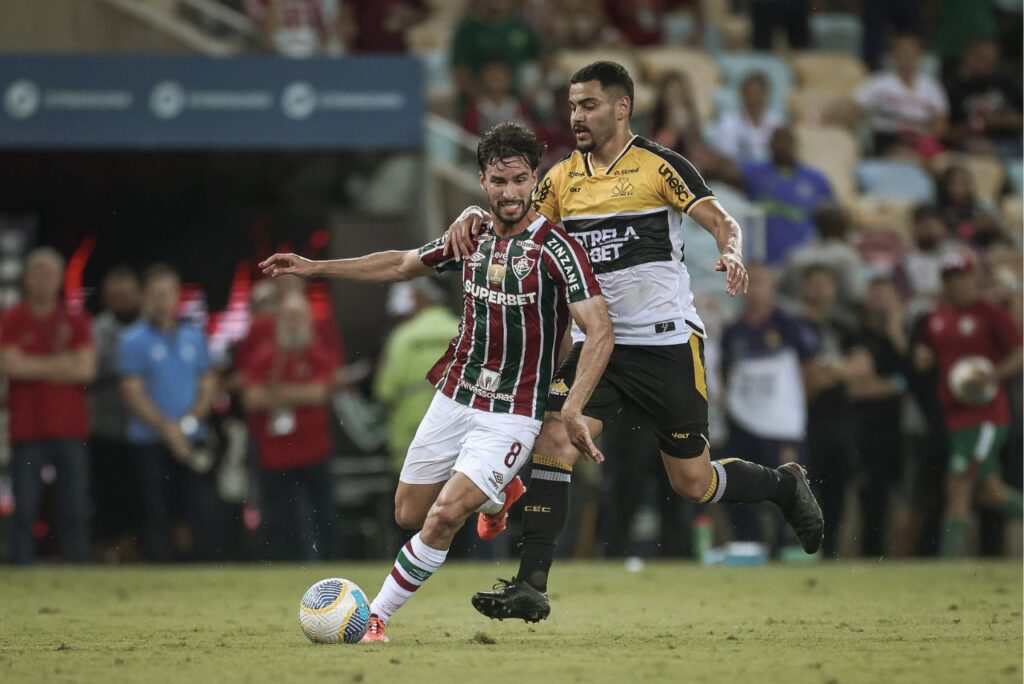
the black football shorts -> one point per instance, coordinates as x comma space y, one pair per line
665, 382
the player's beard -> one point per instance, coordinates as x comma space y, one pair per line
502, 216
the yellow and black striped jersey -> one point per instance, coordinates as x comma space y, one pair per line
628, 217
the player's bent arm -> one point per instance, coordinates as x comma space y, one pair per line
591, 315
380, 267
713, 218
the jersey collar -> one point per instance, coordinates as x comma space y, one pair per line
528, 231
589, 167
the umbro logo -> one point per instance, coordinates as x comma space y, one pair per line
497, 476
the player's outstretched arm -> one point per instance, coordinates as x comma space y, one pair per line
712, 217
380, 267
592, 317
458, 239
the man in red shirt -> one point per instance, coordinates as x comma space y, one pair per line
965, 325
48, 356
287, 379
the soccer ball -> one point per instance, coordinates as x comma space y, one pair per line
965, 381
334, 610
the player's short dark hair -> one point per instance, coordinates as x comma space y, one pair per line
609, 75
509, 139
158, 271
122, 272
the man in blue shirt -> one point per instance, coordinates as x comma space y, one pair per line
168, 387
789, 191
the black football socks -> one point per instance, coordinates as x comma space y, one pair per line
545, 512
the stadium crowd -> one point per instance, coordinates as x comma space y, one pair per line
889, 181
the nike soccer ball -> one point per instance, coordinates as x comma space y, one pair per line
334, 610
970, 381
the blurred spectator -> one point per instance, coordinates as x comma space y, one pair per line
965, 215
168, 387
789, 191
286, 390
985, 103
293, 28
572, 25
878, 405
676, 124
261, 329
556, 131
831, 431
494, 101
959, 23
114, 478
48, 356
764, 356
766, 16
425, 331
493, 32
966, 326
744, 135
881, 17
379, 25
906, 108
829, 248
640, 21
921, 269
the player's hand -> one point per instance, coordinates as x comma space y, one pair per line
288, 264
579, 434
458, 239
735, 273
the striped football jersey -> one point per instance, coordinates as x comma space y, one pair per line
628, 217
517, 292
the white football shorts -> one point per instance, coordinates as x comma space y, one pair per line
488, 448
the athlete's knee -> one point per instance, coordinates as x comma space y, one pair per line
553, 442
407, 515
446, 517
691, 485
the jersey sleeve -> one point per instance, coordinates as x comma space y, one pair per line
433, 254
569, 266
679, 183
545, 195
131, 354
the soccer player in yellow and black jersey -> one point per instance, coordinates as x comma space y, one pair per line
622, 197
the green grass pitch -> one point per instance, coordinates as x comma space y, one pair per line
670, 622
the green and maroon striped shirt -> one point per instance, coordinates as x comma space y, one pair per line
517, 292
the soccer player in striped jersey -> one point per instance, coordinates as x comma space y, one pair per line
522, 283
623, 197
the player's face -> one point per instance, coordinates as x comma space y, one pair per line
508, 183
761, 288
961, 287
594, 112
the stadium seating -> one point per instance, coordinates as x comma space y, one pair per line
828, 70
833, 151
701, 69
837, 31
890, 179
988, 173
871, 214
812, 105
735, 67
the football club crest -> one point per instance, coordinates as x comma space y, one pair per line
522, 265
489, 380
